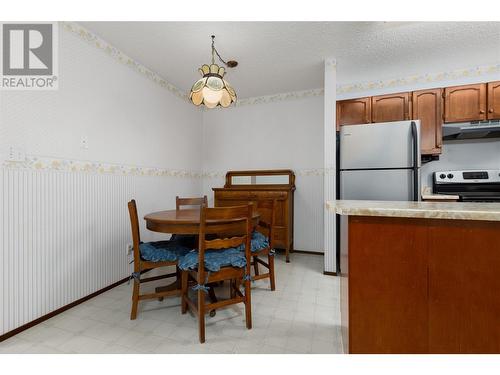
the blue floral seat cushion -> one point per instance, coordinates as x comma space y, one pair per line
259, 241
162, 251
214, 259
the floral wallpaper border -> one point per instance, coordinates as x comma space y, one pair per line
116, 54
298, 172
84, 166
280, 97
372, 85
39, 163
330, 63
420, 78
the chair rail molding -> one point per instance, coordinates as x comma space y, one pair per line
85, 166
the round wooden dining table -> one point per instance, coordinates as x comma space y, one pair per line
186, 221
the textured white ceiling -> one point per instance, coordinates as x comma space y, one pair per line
277, 57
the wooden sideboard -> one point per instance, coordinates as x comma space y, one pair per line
252, 186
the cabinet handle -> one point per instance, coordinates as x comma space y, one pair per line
481, 111
491, 110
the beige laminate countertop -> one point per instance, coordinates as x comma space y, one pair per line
428, 195
427, 210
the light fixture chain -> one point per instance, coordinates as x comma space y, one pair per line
220, 58
214, 51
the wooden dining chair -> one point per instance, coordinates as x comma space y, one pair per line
179, 202
263, 241
188, 240
219, 259
148, 256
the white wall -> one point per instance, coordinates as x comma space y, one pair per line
276, 135
330, 158
63, 219
127, 118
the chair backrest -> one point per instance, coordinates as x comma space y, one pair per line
267, 221
136, 236
232, 226
179, 202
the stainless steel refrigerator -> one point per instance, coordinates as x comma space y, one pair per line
380, 161
377, 162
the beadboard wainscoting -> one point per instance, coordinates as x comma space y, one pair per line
79, 156
64, 234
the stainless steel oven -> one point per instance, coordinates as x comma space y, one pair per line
470, 185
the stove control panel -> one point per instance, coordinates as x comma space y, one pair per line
467, 176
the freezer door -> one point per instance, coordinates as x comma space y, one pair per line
378, 185
382, 145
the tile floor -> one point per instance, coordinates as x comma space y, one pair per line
301, 316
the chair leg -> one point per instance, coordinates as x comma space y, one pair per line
184, 291
231, 288
135, 300
270, 260
248, 305
178, 277
255, 266
213, 299
201, 315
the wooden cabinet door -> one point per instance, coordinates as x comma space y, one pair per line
494, 100
353, 112
427, 106
393, 107
388, 285
465, 103
464, 307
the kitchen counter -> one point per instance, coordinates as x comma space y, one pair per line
419, 277
426, 210
428, 195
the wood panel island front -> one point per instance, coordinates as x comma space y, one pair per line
419, 277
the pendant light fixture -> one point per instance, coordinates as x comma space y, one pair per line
212, 89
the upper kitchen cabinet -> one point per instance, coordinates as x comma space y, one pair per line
465, 103
427, 106
393, 107
354, 111
493, 100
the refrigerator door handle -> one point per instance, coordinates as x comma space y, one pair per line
414, 136
337, 216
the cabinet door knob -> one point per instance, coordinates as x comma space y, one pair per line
491, 110
481, 111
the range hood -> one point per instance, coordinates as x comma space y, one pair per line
472, 130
